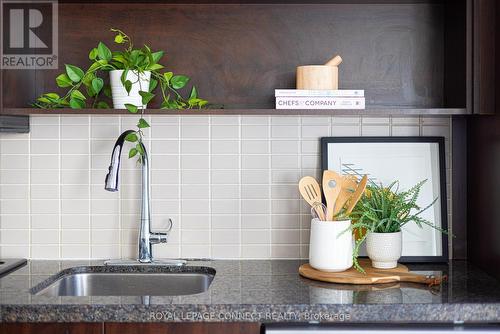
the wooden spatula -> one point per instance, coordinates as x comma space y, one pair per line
349, 184
310, 191
332, 183
357, 195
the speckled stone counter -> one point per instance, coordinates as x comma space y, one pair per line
263, 291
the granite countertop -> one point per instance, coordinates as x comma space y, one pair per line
263, 291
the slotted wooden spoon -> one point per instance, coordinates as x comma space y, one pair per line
311, 192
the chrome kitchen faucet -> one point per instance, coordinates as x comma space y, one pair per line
147, 238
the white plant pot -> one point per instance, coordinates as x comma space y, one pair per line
384, 249
140, 81
330, 247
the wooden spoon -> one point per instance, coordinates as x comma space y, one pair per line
357, 194
310, 191
332, 184
349, 184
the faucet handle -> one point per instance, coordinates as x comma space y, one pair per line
158, 237
170, 225
161, 237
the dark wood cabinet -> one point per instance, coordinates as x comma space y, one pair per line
182, 328
407, 54
130, 328
51, 328
485, 55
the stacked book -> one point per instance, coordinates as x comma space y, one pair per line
319, 99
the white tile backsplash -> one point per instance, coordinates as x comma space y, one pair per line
228, 182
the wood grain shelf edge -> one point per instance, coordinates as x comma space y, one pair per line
248, 112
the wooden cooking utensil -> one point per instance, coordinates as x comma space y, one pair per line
348, 186
332, 184
311, 192
372, 276
357, 194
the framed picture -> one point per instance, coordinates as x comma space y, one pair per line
408, 160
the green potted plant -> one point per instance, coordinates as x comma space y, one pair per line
378, 218
135, 78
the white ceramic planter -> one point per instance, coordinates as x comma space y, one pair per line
384, 249
119, 93
329, 248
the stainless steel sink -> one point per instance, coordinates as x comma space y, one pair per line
120, 281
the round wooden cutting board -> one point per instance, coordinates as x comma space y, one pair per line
352, 276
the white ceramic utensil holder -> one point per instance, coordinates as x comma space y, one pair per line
140, 82
330, 247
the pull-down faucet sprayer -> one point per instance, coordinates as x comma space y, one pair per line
146, 237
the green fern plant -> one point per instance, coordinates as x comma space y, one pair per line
386, 210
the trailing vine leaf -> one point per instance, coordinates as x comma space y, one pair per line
157, 56
133, 152
179, 81
93, 54
132, 137
194, 93
74, 73
102, 105
154, 67
76, 94
153, 83
123, 76
63, 81
128, 86
107, 91
97, 84
139, 148
119, 39
103, 52
76, 103
131, 108
52, 96
146, 97
142, 124
168, 76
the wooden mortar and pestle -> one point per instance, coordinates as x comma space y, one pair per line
320, 77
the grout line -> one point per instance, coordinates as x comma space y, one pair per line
301, 169
450, 166
179, 180
30, 221
270, 177
209, 187
59, 152
89, 177
240, 190
390, 126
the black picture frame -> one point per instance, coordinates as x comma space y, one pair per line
443, 258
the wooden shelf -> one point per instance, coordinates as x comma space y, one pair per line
379, 111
